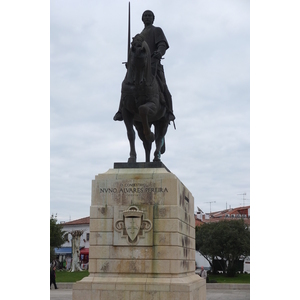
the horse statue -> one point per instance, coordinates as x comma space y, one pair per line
143, 103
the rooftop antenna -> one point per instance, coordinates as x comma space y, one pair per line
210, 202
245, 200
244, 194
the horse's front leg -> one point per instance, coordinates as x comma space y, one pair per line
160, 132
144, 111
157, 152
128, 120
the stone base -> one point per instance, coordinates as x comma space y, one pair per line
133, 288
142, 237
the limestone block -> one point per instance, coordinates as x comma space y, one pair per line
173, 225
93, 265
100, 238
171, 212
163, 225
84, 284
175, 252
148, 187
101, 225
131, 253
191, 287
152, 284
99, 252
135, 284
129, 259
173, 239
95, 295
111, 252
115, 295
101, 212
79, 294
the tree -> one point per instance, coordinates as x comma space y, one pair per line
56, 236
227, 240
76, 234
205, 242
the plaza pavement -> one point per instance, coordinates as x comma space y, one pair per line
214, 291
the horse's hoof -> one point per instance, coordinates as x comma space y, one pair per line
132, 160
157, 157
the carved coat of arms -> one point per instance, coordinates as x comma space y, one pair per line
133, 225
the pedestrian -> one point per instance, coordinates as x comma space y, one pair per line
52, 277
203, 273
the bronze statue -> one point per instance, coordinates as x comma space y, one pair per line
158, 44
145, 98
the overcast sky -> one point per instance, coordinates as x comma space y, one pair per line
207, 71
207, 68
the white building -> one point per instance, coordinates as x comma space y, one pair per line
201, 261
65, 251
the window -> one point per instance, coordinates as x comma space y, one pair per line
66, 237
88, 236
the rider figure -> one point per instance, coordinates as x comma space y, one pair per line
158, 44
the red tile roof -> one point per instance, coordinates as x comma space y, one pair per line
81, 221
227, 214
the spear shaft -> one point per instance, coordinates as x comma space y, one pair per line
128, 45
128, 42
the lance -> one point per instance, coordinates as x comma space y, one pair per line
128, 42
128, 46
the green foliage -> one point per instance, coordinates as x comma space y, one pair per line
56, 236
223, 278
66, 276
228, 240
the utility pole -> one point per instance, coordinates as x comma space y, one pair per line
244, 194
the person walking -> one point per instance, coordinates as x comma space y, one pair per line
52, 277
203, 273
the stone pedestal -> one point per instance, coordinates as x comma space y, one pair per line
142, 238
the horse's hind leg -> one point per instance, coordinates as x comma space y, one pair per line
160, 132
145, 110
147, 144
128, 120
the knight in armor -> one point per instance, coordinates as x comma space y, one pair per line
158, 44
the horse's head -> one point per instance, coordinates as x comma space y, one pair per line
138, 46
139, 65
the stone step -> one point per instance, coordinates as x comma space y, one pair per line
209, 286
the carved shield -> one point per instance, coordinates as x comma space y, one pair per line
133, 225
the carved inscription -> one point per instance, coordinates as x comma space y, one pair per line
133, 188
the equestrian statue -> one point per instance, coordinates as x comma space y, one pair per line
145, 98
